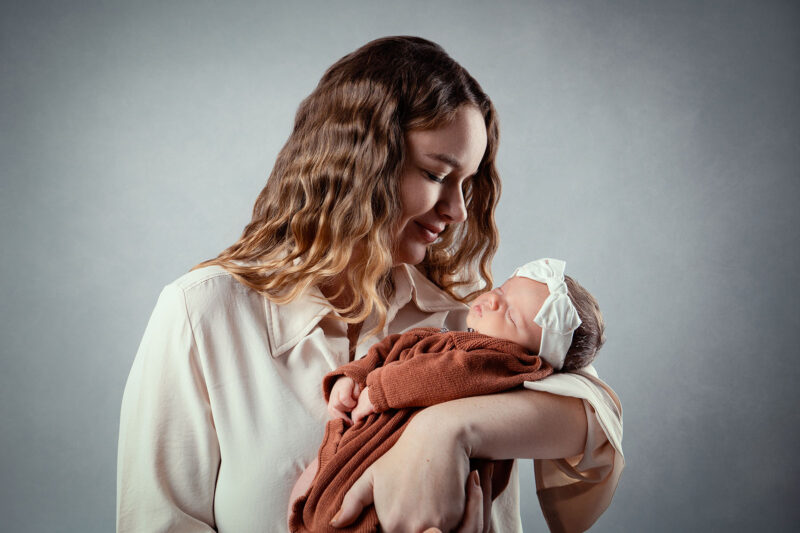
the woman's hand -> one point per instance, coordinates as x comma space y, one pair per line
475, 511
419, 483
477, 507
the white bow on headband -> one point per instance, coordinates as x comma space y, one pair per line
558, 317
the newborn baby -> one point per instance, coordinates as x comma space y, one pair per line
521, 331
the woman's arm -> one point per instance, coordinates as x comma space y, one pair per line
168, 451
515, 424
440, 441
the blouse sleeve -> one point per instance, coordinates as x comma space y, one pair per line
574, 492
168, 450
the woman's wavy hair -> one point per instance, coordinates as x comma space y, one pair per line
335, 184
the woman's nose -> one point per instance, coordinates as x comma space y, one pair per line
451, 205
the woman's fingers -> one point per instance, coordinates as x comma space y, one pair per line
358, 497
473, 512
486, 472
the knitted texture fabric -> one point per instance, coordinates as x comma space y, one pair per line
404, 373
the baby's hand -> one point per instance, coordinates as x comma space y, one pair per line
364, 406
344, 395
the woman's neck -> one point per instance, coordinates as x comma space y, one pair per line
340, 295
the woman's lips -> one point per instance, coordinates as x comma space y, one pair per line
428, 233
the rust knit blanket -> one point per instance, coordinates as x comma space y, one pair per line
404, 373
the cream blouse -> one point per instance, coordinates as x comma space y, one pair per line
223, 409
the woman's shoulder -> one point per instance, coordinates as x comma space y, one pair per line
209, 290
214, 300
212, 277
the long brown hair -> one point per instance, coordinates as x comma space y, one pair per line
335, 184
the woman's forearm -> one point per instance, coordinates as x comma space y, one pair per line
515, 424
438, 443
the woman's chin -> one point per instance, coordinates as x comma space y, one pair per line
410, 255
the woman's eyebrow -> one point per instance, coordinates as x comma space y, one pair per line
447, 159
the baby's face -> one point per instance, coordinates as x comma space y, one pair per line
507, 312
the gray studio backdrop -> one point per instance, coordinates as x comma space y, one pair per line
652, 144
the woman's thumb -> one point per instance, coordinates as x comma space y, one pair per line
358, 497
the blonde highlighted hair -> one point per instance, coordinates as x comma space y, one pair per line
335, 184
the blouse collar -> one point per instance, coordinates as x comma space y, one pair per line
289, 323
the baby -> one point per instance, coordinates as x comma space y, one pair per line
537, 322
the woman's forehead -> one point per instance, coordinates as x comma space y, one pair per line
462, 141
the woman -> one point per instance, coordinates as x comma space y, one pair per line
377, 214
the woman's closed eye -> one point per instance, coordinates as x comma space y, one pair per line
433, 177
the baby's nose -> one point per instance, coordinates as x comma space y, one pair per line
491, 301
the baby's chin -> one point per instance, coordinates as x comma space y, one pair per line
470, 321
475, 326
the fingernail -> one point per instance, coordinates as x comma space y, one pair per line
432, 530
475, 478
335, 518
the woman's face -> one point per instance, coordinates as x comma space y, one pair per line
438, 162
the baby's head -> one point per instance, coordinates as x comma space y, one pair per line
546, 312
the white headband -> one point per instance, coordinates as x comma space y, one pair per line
558, 317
